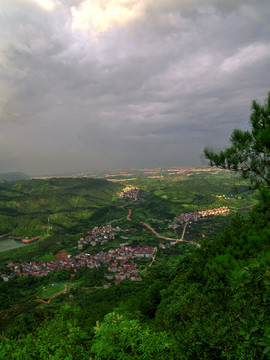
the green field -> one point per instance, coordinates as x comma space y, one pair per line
47, 257
48, 291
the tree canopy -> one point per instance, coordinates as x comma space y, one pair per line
249, 153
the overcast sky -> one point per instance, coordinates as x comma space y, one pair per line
100, 84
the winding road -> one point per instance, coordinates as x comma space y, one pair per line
171, 239
154, 231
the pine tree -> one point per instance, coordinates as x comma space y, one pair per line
249, 153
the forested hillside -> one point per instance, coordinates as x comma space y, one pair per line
68, 202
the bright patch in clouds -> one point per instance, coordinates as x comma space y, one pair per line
102, 15
47, 5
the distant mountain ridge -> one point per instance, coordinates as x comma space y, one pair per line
14, 176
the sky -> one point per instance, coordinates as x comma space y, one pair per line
101, 84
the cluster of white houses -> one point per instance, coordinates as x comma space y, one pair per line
129, 192
231, 197
118, 261
99, 235
216, 211
194, 216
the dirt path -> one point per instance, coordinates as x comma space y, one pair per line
171, 239
3, 235
128, 215
52, 297
183, 233
154, 257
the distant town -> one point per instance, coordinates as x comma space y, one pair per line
115, 175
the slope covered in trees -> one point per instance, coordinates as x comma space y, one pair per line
26, 206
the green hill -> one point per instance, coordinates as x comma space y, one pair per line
68, 202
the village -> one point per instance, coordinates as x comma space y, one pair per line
130, 192
194, 216
100, 235
119, 262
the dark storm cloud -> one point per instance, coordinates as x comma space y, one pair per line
82, 88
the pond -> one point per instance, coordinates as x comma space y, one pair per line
8, 244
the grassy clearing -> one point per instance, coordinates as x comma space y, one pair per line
47, 257
47, 291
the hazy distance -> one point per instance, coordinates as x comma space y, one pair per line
95, 85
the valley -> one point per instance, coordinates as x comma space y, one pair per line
151, 209
101, 245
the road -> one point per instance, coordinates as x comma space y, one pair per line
154, 257
128, 215
183, 233
171, 239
